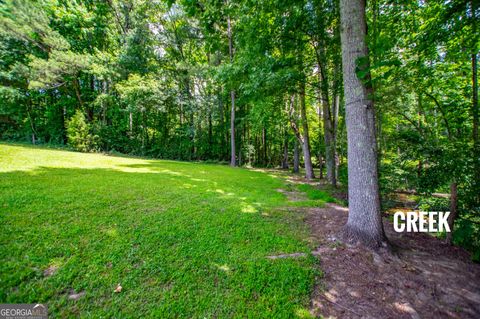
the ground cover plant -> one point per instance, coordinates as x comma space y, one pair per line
181, 239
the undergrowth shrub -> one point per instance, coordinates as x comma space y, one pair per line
79, 133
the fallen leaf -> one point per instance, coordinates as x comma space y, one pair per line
75, 296
118, 289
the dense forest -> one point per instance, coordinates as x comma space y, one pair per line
255, 83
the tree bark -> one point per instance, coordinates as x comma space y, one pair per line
364, 219
296, 158
320, 166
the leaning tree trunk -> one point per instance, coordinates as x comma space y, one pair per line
364, 219
307, 158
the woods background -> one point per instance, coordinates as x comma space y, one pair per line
253, 83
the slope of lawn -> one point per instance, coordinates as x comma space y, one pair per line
183, 239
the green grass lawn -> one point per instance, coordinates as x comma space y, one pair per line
184, 240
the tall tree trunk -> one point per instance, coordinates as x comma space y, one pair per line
453, 211
327, 120
296, 158
364, 219
233, 161
307, 158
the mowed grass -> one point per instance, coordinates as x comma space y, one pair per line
184, 240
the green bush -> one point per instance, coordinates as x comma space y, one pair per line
467, 225
79, 135
434, 204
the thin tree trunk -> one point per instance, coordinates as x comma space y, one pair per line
104, 106
364, 219
232, 130
329, 144
232, 98
475, 111
191, 111
130, 121
285, 152
293, 117
336, 106
420, 109
320, 165
264, 145
453, 212
328, 133
223, 127
76, 87
476, 142
307, 158
32, 125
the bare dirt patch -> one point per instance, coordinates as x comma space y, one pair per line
293, 196
424, 278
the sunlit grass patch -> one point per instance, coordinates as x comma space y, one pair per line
183, 239
316, 194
